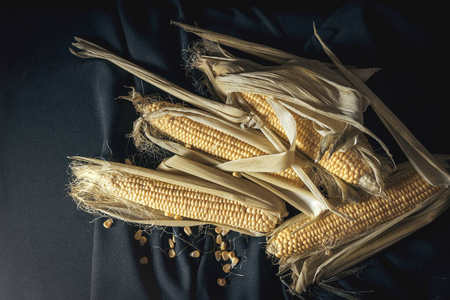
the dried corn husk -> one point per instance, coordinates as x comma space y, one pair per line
279, 157
91, 50
315, 203
323, 266
94, 197
422, 160
307, 88
340, 118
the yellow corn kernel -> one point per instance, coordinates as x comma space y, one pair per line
225, 255
143, 260
234, 261
138, 235
172, 253
108, 223
142, 241
221, 281
218, 255
195, 254
188, 230
171, 243
223, 246
227, 268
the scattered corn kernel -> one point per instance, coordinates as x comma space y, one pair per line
218, 255
221, 281
172, 253
138, 235
188, 230
195, 254
218, 229
234, 261
171, 243
142, 241
168, 214
227, 268
108, 223
178, 217
225, 255
223, 246
219, 239
143, 260
237, 174
231, 254
225, 231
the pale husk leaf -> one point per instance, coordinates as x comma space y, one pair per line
318, 267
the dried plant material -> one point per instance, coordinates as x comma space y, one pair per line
143, 260
217, 255
423, 161
219, 239
177, 217
225, 256
312, 203
402, 194
187, 230
137, 235
195, 254
235, 149
164, 123
236, 174
171, 243
221, 281
328, 113
143, 195
142, 241
234, 261
172, 253
412, 204
227, 268
223, 246
108, 223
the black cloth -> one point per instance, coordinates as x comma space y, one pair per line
54, 105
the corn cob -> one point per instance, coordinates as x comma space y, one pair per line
403, 194
347, 165
212, 141
93, 185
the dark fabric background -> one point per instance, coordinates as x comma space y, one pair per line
54, 105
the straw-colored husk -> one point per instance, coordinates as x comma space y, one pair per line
258, 168
335, 259
316, 93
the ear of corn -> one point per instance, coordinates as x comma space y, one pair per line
302, 238
412, 205
159, 197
